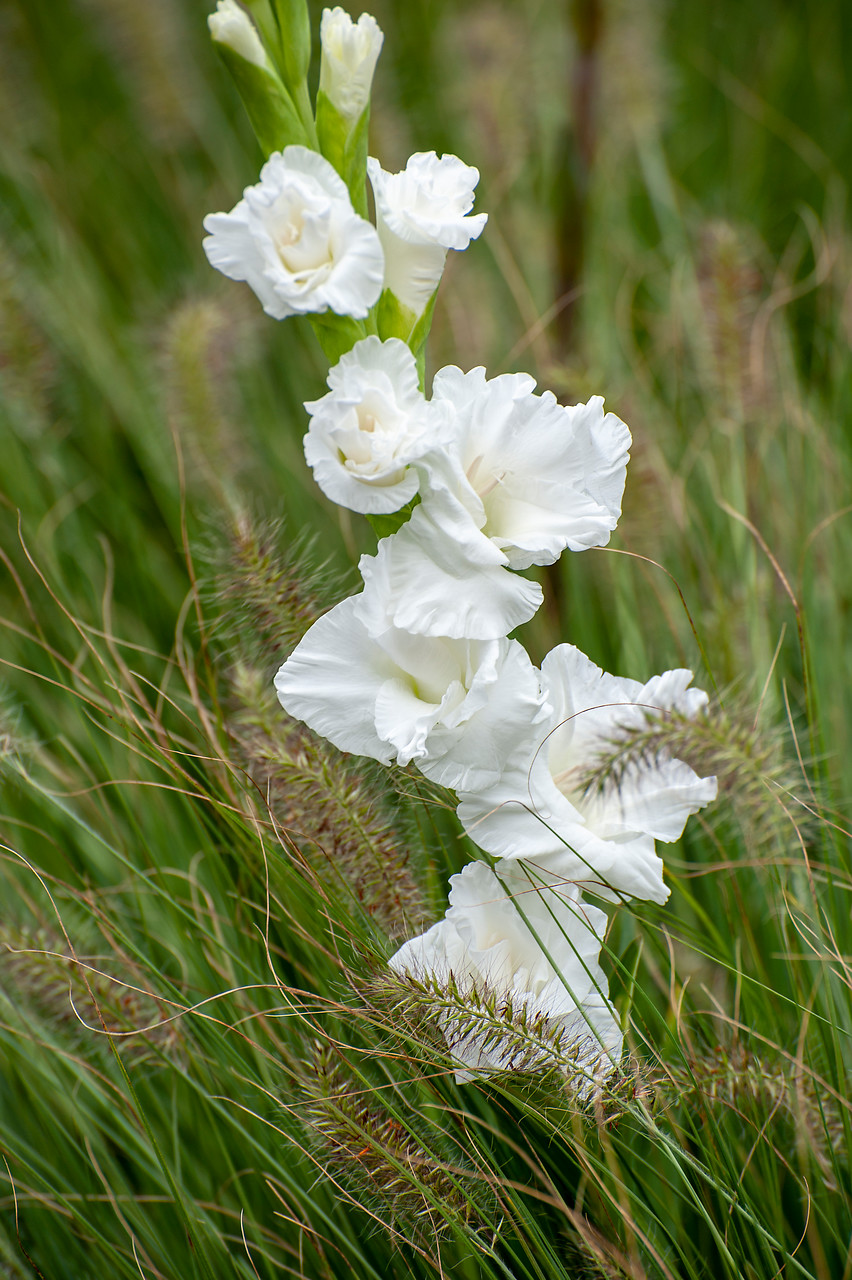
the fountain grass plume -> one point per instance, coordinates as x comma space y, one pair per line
754, 773
378, 1155
265, 593
267, 588
449, 1015
327, 805
76, 998
759, 1088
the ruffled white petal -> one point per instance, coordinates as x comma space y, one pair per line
546, 478
468, 749
429, 201
358, 266
600, 840
297, 241
373, 424
350, 51
421, 212
506, 936
453, 707
331, 682
239, 251
435, 584
525, 816
597, 708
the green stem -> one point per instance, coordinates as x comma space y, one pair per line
302, 103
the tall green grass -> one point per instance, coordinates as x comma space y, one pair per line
205, 1068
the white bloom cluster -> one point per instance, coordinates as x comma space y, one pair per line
491, 478
295, 237
299, 244
418, 668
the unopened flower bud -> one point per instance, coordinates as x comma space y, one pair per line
350, 51
231, 26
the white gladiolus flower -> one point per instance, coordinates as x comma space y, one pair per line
455, 708
350, 51
536, 477
230, 25
505, 937
422, 212
374, 422
516, 480
297, 241
600, 840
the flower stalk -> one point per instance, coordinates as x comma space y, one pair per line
472, 484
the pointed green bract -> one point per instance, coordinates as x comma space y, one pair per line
395, 320
344, 143
285, 27
270, 107
337, 334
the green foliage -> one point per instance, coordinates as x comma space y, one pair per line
203, 1071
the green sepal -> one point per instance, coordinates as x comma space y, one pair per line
337, 334
291, 59
420, 332
395, 320
383, 526
344, 144
268, 104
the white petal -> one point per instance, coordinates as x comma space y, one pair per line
436, 953
230, 25
374, 422
381, 496
392, 358
350, 51
524, 817
509, 938
236, 249
356, 278
660, 799
446, 579
547, 477
282, 165
413, 271
296, 240
655, 797
428, 202
331, 682
422, 212
602, 840
473, 754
